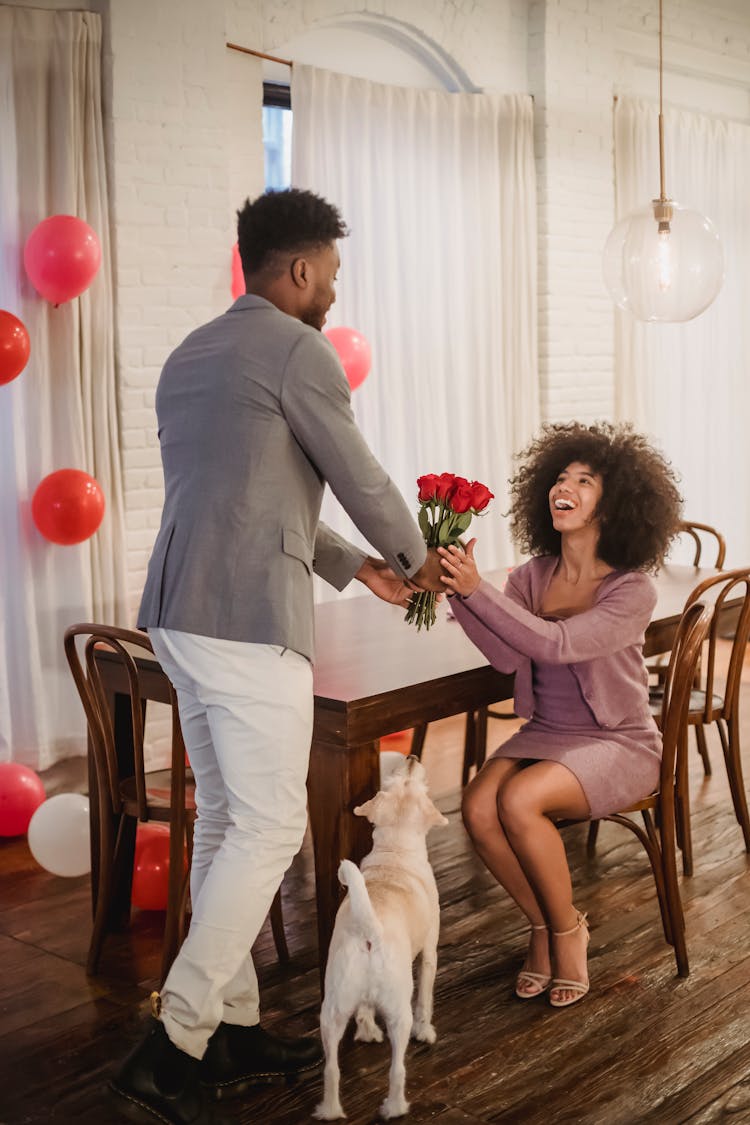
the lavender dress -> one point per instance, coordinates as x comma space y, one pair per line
615, 767
580, 681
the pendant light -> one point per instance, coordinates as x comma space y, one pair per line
663, 262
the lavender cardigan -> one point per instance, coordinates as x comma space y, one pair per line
602, 645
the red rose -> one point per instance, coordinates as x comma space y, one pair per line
427, 487
445, 483
481, 496
461, 496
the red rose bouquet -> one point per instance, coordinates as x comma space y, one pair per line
446, 506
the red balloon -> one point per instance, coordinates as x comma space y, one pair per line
14, 346
68, 506
150, 889
21, 794
354, 353
62, 255
238, 277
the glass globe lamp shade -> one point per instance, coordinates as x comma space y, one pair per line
663, 263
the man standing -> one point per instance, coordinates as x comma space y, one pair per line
254, 419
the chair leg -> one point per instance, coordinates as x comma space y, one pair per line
417, 740
651, 841
682, 811
480, 737
654, 854
733, 760
277, 928
592, 837
470, 751
107, 863
700, 738
674, 902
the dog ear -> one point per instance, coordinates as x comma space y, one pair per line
432, 814
370, 808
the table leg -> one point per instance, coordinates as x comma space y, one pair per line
119, 709
338, 781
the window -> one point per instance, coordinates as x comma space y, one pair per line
277, 135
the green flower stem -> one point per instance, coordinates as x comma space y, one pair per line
422, 606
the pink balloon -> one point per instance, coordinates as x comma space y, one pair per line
61, 256
68, 506
21, 794
238, 277
354, 353
15, 346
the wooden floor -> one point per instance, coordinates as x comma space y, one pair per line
643, 1046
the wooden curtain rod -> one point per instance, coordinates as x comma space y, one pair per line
260, 54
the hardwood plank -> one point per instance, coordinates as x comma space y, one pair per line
643, 1046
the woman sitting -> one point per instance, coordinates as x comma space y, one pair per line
597, 507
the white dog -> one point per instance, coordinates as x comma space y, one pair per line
389, 916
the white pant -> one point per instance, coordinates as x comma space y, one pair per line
246, 714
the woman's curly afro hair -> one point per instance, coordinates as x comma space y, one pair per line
640, 508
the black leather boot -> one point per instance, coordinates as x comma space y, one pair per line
239, 1057
159, 1082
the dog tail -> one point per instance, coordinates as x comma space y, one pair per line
362, 912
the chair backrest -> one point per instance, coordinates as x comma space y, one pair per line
700, 532
720, 589
683, 661
87, 674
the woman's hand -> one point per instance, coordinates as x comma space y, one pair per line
462, 575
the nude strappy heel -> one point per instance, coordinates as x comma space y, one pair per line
539, 980
578, 986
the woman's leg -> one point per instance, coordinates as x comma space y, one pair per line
482, 820
528, 804
480, 811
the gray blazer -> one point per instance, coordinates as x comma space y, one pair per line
254, 418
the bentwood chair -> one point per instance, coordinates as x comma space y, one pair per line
702, 535
127, 792
660, 810
708, 703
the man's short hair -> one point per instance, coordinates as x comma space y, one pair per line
278, 223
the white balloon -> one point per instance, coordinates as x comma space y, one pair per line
59, 835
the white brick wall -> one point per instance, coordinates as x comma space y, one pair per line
185, 153
571, 49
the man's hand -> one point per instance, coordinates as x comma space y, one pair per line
430, 574
384, 582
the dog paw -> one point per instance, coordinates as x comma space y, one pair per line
394, 1107
424, 1032
328, 1111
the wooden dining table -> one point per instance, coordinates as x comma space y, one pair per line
375, 675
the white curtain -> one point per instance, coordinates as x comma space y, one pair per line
689, 384
439, 273
61, 412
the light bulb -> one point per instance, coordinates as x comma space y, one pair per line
663, 213
663, 263
664, 260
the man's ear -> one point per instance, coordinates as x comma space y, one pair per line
299, 270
